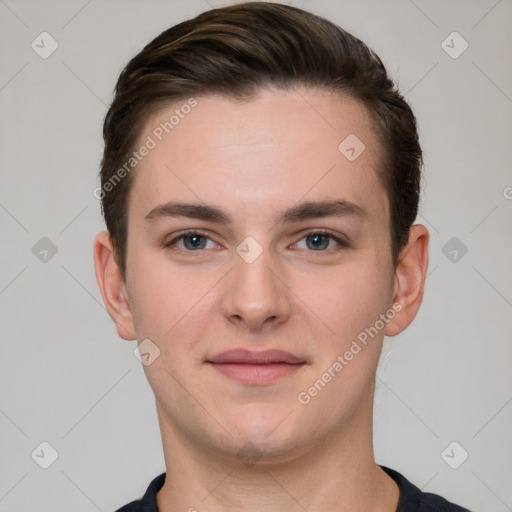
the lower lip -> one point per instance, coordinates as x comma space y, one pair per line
257, 373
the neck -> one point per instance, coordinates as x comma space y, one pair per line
339, 473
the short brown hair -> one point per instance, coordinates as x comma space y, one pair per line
234, 51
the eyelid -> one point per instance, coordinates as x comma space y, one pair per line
181, 234
340, 240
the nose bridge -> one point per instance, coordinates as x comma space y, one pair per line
255, 295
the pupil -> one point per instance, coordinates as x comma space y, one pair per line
194, 241
316, 240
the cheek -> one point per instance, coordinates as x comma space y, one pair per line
160, 297
169, 308
349, 303
348, 299
173, 308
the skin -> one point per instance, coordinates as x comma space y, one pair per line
254, 159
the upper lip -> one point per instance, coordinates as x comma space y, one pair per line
244, 356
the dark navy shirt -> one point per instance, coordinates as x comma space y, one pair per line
411, 498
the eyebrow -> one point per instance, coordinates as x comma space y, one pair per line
297, 213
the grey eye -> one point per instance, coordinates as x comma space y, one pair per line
318, 241
193, 242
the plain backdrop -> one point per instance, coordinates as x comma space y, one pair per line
67, 379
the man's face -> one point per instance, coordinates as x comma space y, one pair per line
260, 281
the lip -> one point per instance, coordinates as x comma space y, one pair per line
241, 356
256, 368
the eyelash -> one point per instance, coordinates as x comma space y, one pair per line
342, 243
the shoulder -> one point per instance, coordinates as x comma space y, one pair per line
134, 506
148, 502
413, 499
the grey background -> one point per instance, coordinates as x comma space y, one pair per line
67, 379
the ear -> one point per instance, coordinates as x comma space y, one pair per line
410, 275
112, 286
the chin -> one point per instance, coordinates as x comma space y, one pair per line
259, 419
265, 432
261, 451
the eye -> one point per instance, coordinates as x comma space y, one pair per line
191, 241
318, 241
321, 240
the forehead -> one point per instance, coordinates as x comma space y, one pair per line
260, 154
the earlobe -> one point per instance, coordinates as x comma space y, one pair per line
112, 286
410, 274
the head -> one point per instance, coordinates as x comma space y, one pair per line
279, 143
235, 51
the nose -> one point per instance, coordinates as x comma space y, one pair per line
255, 295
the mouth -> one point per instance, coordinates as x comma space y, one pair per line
256, 368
